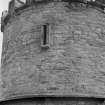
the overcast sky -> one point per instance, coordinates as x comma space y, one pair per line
3, 6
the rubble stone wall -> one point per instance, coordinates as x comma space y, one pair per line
74, 65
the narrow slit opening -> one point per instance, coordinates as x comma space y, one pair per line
45, 35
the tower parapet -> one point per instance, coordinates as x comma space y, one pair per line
18, 5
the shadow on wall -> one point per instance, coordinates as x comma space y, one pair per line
54, 101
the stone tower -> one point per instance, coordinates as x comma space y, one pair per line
53, 53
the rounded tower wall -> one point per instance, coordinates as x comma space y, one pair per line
54, 49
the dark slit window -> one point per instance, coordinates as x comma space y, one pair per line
45, 36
